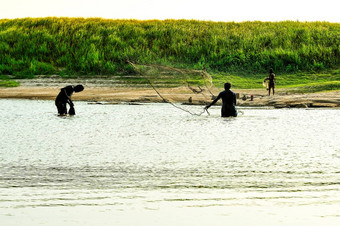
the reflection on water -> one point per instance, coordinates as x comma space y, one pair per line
153, 164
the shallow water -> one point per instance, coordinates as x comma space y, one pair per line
153, 164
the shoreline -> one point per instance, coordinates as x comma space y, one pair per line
98, 91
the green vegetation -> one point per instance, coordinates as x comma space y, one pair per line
8, 83
316, 87
5, 81
242, 52
298, 81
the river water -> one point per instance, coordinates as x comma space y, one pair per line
153, 164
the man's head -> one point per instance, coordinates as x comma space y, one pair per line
271, 70
78, 88
227, 86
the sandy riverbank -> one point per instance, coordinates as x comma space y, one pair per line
96, 91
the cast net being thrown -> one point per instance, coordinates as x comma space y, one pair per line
185, 89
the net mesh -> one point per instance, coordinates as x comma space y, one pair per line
181, 88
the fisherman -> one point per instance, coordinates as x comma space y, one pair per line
271, 79
64, 97
228, 102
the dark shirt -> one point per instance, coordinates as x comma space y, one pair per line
271, 79
228, 97
65, 94
228, 103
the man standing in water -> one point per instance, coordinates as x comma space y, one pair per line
271, 78
64, 97
228, 102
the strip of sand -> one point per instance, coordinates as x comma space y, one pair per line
104, 92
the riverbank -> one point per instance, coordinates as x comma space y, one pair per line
108, 92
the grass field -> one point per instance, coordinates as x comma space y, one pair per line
324, 81
302, 54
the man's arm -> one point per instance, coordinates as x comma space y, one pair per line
214, 101
69, 101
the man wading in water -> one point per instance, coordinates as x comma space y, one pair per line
64, 97
228, 101
271, 78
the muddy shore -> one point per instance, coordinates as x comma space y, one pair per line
109, 92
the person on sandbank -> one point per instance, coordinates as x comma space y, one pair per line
271, 79
228, 102
64, 97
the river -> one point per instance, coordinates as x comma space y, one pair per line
153, 164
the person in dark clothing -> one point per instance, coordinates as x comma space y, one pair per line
64, 97
228, 102
271, 79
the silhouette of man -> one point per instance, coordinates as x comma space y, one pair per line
271, 78
228, 102
64, 97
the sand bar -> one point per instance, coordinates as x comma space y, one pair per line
97, 90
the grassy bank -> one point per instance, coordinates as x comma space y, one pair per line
96, 46
296, 80
242, 52
6, 81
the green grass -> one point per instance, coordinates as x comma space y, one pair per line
8, 83
78, 46
298, 82
239, 81
316, 87
302, 54
301, 82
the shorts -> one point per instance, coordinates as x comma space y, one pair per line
228, 111
61, 106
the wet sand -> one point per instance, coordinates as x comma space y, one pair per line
97, 91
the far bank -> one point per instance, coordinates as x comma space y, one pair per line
103, 92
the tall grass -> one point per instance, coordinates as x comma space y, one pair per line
97, 46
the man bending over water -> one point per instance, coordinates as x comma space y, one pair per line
228, 102
64, 97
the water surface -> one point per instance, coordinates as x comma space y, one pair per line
153, 164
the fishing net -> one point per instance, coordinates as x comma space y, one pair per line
185, 89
